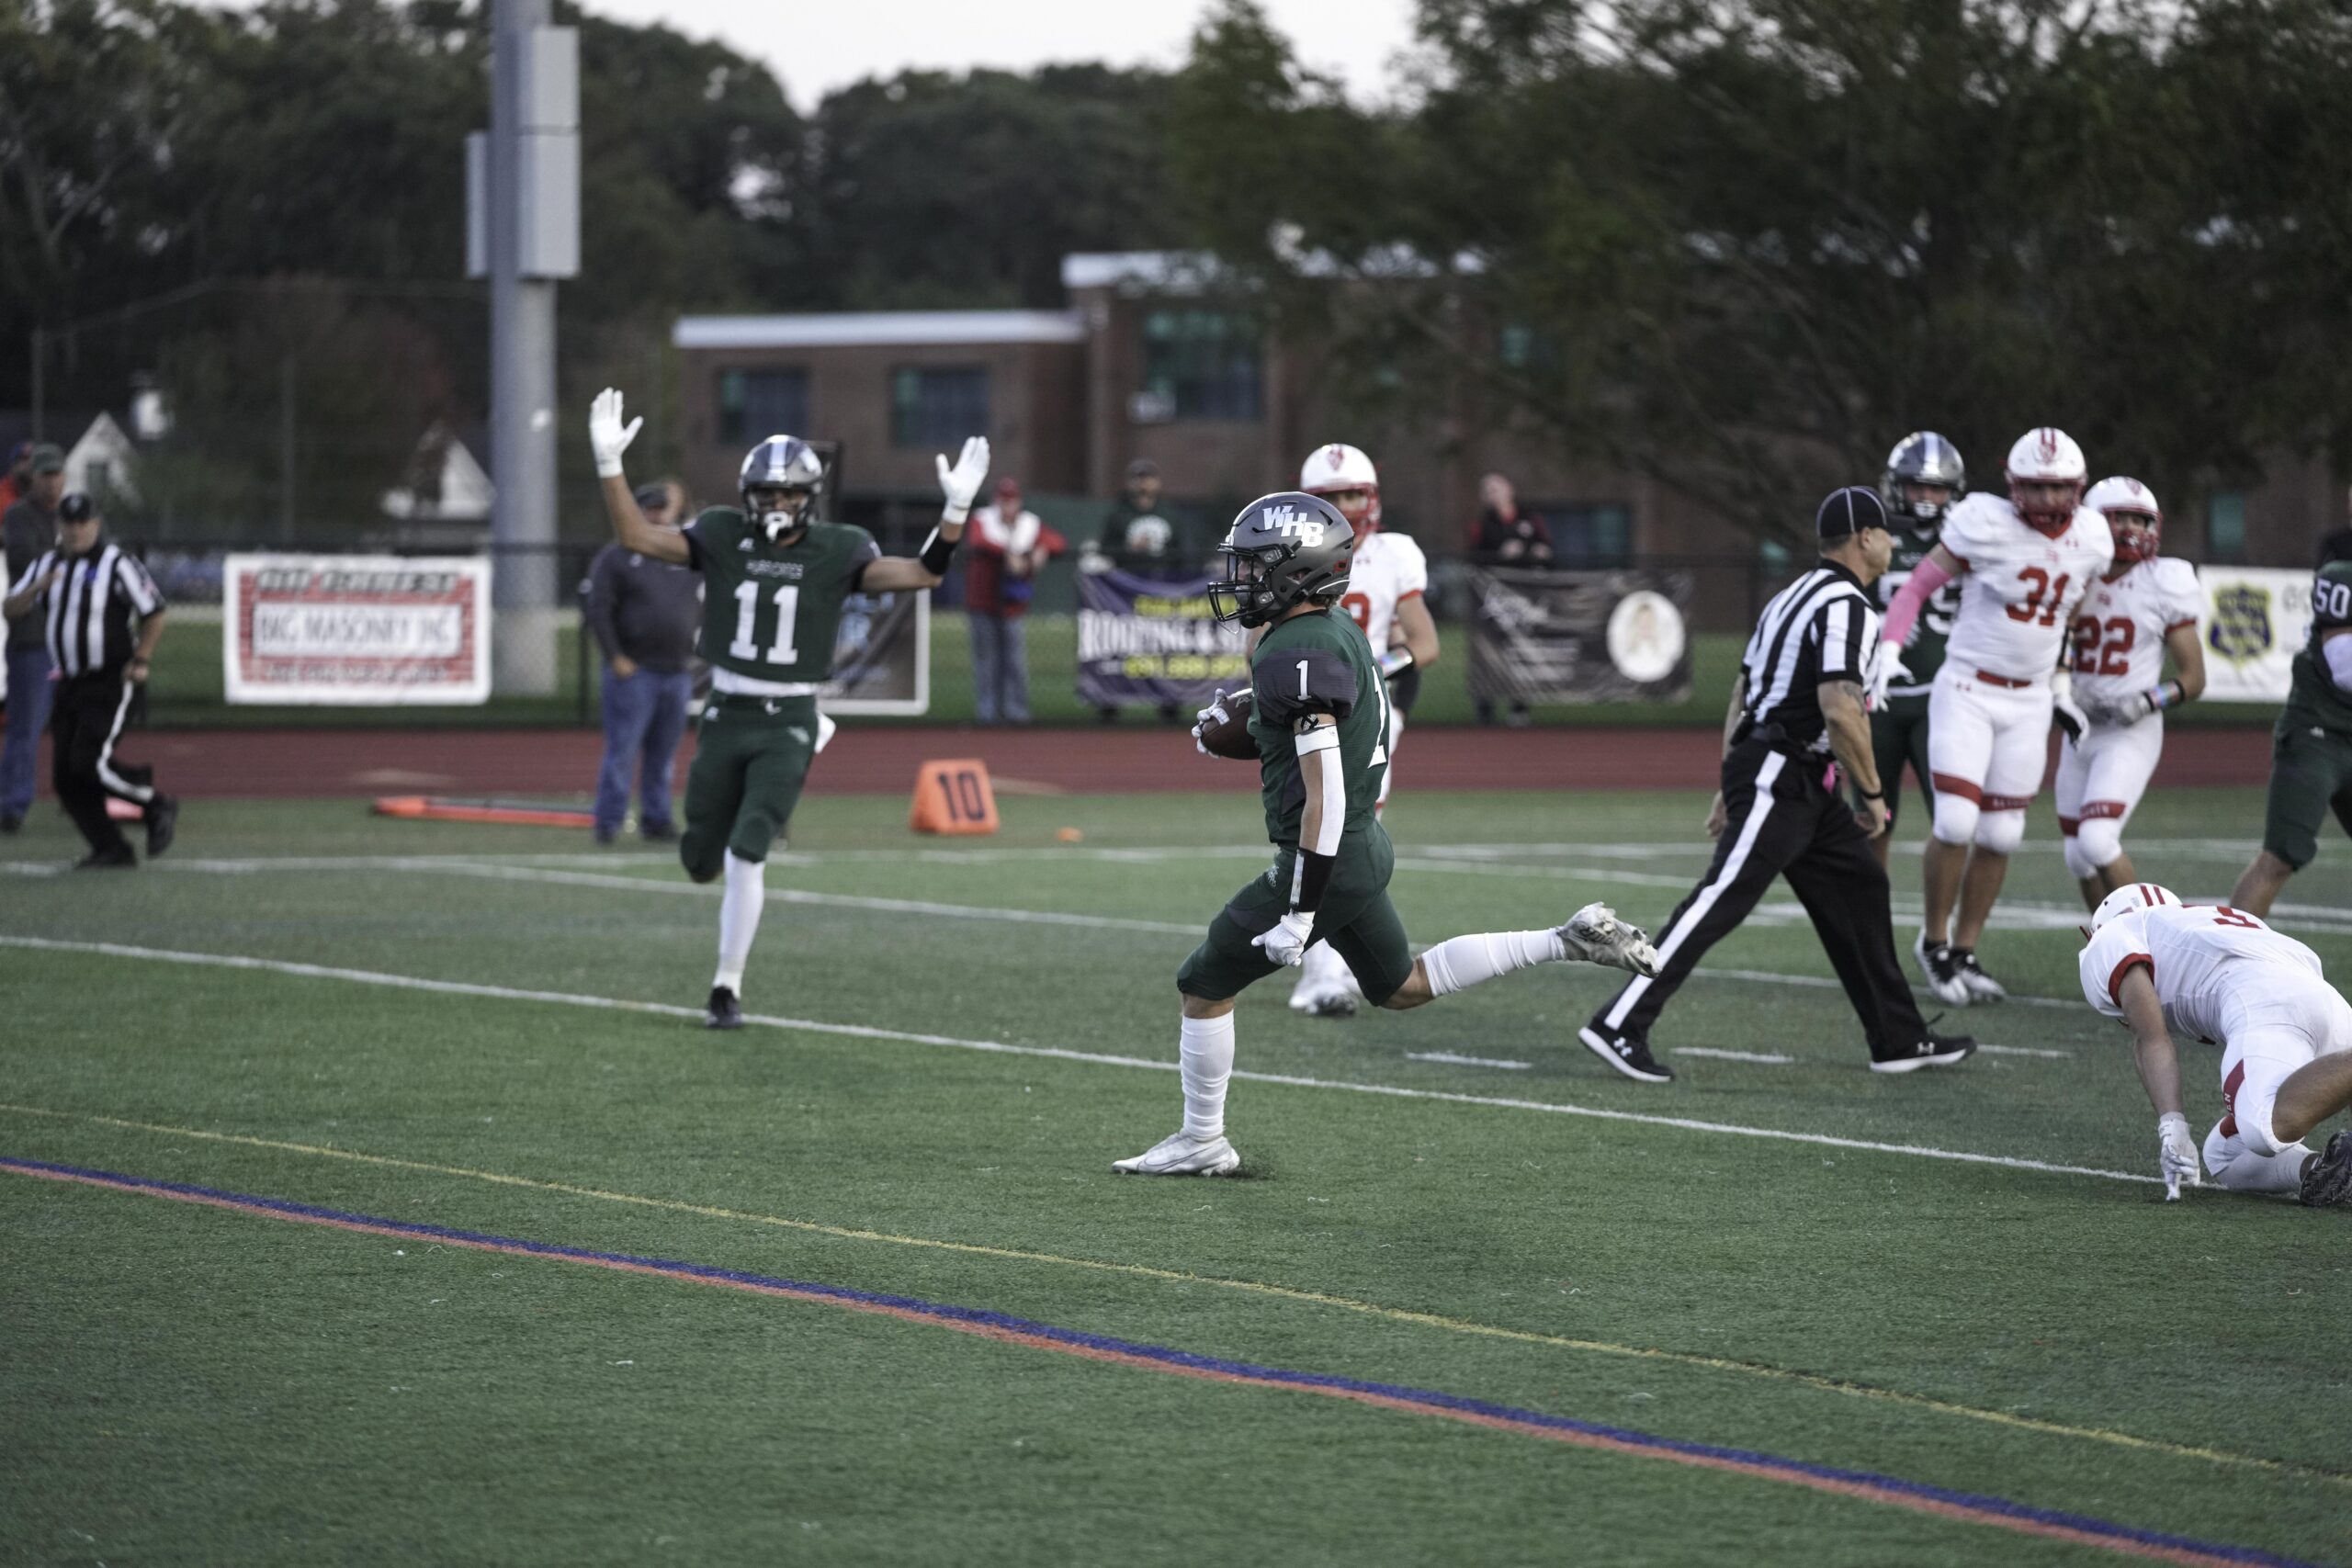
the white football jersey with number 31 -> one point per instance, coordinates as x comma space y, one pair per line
2022, 585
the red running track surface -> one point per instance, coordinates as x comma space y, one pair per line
881, 760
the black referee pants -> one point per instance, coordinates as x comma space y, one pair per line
1784, 821
88, 719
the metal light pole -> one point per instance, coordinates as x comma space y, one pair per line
524, 231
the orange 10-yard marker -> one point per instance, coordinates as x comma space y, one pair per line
954, 797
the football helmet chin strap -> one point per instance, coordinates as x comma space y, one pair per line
780, 524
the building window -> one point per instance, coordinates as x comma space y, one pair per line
938, 407
1201, 363
756, 404
1591, 535
2225, 527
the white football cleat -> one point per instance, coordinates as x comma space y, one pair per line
1595, 935
1942, 969
1180, 1154
1326, 988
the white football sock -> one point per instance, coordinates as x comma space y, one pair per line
739, 919
1464, 961
1204, 1054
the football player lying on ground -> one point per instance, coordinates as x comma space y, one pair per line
776, 580
2286, 1039
1321, 726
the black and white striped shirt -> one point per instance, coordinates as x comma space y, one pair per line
93, 612
1821, 627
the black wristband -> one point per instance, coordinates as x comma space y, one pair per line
1313, 877
1870, 793
937, 552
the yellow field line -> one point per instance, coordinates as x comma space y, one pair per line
1254, 1287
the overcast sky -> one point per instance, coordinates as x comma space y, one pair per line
816, 48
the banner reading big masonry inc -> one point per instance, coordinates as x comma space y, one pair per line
1579, 637
356, 630
881, 657
1144, 640
2255, 621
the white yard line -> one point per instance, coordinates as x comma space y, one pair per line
1465, 1061
866, 1031
1768, 1059
2023, 1051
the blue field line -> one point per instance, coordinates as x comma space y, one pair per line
1974, 1502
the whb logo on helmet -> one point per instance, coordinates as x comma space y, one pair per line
1283, 551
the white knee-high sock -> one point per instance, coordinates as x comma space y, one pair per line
1464, 961
1205, 1053
739, 919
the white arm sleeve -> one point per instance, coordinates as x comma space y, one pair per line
2340, 661
1323, 741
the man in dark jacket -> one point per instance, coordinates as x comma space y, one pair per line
643, 613
28, 529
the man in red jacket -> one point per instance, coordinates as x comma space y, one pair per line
1004, 551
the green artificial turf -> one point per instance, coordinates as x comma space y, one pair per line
181, 1384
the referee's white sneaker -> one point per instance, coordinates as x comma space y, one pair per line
1595, 935
1181, 1153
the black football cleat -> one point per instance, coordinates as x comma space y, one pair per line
1628, 1054
724, 1010
1933, 1050
163, 823
2327, 1179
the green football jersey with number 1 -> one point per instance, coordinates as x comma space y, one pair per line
1317, 663
771, 612
2313, 699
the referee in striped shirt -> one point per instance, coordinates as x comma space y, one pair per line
1799, 716
103, 615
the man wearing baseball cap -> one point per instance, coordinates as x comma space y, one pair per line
28, 529
1798, 719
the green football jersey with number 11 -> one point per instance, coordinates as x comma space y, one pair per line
771, 612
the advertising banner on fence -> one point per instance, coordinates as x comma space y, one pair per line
356, 630
2255, 621
1579, 637
882, 657
1147, 641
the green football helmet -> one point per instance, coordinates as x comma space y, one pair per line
1284, 550
785, 474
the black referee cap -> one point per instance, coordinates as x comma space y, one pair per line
1847, 512
76, 508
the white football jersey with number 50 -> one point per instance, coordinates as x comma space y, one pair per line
2022, 585
1388, 569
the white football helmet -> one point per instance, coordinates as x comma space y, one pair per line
2130, 901
2047, 456
2118, 499
1338, 469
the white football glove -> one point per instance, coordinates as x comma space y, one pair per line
2176, 1156
1287, 943
2064, 711
607, 438
1214, 712
1890, 669
961, 482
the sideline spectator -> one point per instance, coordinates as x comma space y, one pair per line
18, 482
102, 614
1004, 550
1138, 537
28, 530
643, 613
1506, 535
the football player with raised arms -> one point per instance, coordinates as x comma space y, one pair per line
774, 582
1387, 581
1923, 476
1319, 718
2142, 608
2026, 560
2220, 976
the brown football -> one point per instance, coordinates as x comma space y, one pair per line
1232, 738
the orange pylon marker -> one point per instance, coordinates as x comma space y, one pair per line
954, 797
